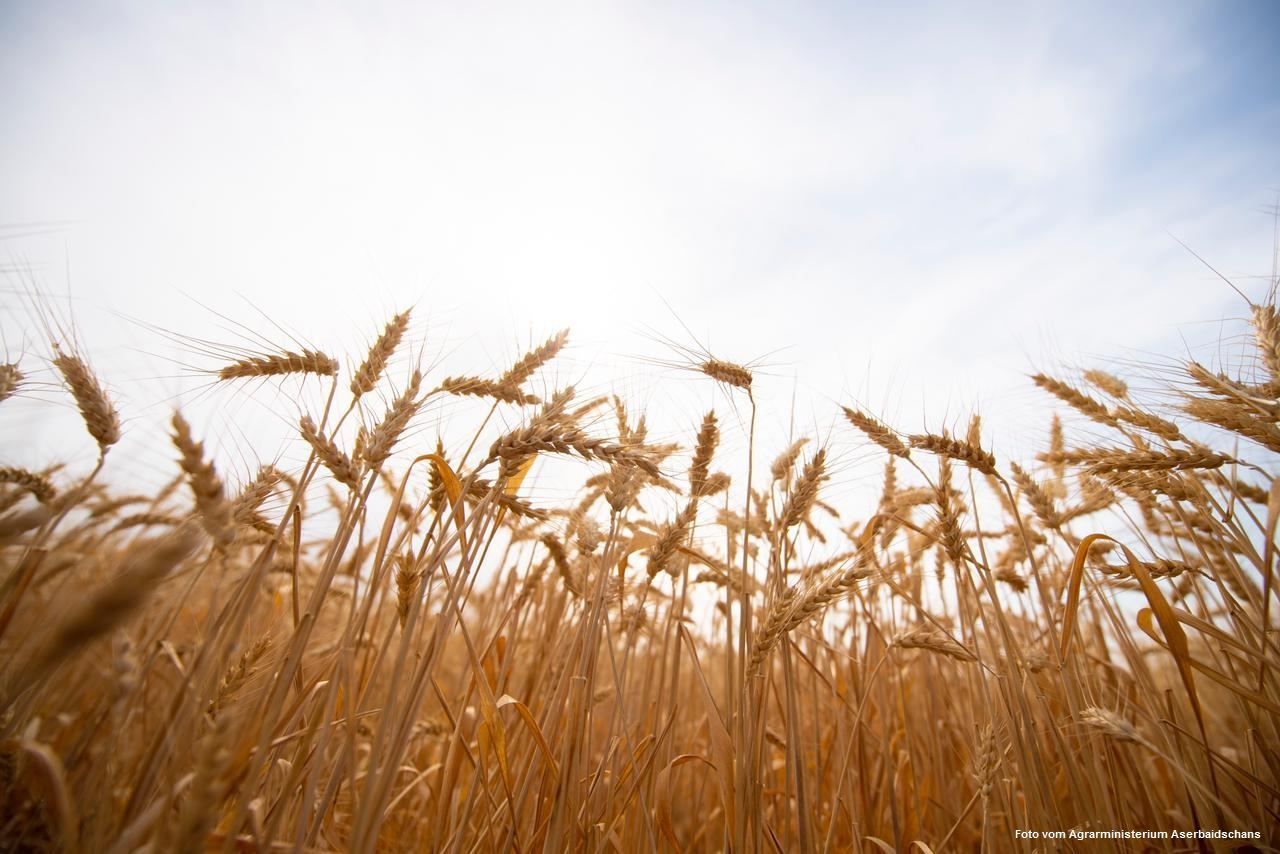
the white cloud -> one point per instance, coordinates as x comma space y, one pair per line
939, 191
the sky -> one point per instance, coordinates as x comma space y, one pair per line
907, 207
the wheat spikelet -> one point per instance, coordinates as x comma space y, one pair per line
236, 676
589, 536
513, 394
1239, 419
704, 451
584, 409
973, 436
384, 437
785, 462
1108, 383
1153, 424
805, 493
479, 488
1220, 385
10, 379
96, 410
952, 536
1226, 568
111, 506
964, 452
24, 520
40, 487
715, 485
1266, 331
479, 387
518, 373
1170, 483
408, 582
475, 386
147, 520
877, 432
280, 364
550, 430
634, 620
532, 581
1103, 460
781, 619
561, 559
1011, 578
556, 411
255, 492
934, 640
811, 570
889, 487
622, 488
1057, 444
1095, 493
626, 433
669, 539
515, 448
796, 607
727, 373
1162, 568
1246, 490
905, 499
1040, 500
206, 486
1075, 398
1110, 724
380, 353
986, 761
730, 578
337, 462
435, 481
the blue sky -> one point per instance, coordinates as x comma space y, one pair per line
911, 206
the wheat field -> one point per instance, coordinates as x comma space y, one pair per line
399, 646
